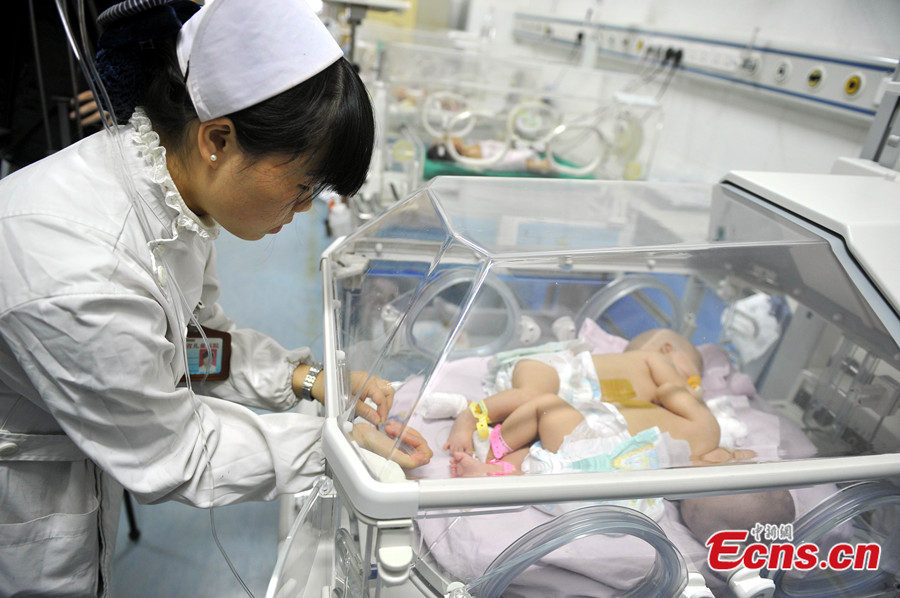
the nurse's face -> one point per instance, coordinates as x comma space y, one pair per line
251, 199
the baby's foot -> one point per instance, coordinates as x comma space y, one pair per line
721, 455
460, 438
463, 465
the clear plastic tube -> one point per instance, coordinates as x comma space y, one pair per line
832, 512
668, 576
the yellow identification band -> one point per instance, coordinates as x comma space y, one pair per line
479, 410
694, 382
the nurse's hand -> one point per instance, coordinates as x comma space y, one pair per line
379, 391
413, 452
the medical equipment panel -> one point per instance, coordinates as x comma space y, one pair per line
801, 369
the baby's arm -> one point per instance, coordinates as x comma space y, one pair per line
664, 374
695, 422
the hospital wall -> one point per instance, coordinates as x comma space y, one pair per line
712, 127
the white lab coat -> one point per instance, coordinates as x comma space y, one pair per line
90, 362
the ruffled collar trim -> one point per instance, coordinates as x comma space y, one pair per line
154, 156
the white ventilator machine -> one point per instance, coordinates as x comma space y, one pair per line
787, 283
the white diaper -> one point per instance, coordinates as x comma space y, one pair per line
732, 431
578, 383
602, 443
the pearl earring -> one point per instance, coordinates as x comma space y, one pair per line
212, 158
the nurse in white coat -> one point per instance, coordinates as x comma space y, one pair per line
106, 249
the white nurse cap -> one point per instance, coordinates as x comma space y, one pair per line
237, 53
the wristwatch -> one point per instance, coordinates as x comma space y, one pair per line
306, 388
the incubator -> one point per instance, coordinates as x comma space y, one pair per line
782, 282
462, 112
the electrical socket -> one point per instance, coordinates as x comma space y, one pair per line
783, 71
815, 77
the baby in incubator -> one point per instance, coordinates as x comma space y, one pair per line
567, 411
514, 159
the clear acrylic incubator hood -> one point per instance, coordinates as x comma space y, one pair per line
780, 281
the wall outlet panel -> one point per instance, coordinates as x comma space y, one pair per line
852, 85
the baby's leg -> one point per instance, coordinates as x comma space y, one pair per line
535, 376
665, 375
530, 379
547, 418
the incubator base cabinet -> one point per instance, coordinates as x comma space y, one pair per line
784, 283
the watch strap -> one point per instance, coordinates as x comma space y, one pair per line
306, 388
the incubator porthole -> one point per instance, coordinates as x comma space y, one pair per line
528, 123
489, 322
403, 151
440, 108
532, 122
577, 150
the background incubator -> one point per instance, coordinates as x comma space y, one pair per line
457, 111
763, 282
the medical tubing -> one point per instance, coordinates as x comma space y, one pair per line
650, 71
176, 301
79, 124
667, 578
212, 525
40, 76
88, 68
837, 509
665, 86
212, 518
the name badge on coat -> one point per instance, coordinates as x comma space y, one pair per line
208, 359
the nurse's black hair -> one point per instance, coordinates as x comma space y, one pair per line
328, 117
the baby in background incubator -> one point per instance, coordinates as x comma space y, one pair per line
514, 159
640, 408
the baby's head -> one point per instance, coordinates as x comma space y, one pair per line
683, 353
706, 515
